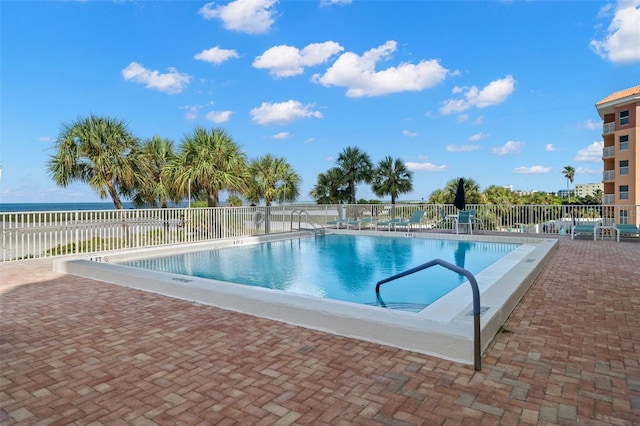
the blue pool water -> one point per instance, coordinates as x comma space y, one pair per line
341, 267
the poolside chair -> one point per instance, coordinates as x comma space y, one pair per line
626, 230
584, 228
474, 218
414, 219
337, 223
465, 218
442, 220
388, 223
362, 222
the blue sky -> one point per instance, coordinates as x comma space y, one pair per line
499, 91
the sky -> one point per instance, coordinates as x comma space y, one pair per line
502, 92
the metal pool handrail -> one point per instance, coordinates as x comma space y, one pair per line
317, 228
476, 298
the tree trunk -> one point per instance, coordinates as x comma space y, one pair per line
212, 199
114, 196
118, 203
215, 228
353, 193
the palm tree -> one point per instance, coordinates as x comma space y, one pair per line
273, 179
233, 201
569, 173
97, 151
495, 194
391, 177
209, 162
438, 196
471, 191
356, 167
330, 188
154, 187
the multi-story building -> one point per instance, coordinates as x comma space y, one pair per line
566, 193
588, 189
620, 113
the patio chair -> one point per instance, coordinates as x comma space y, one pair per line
626, 230
466, 218
337, 223
415, 219
584, 228
442, 221
362, 222
388, 223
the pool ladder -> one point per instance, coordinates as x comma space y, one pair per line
477, 349
317, 228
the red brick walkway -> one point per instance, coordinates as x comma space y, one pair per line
76, 351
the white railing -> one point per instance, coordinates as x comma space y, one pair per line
609, 127
28, 235
44, 234
608, 175
608, 151
608, 199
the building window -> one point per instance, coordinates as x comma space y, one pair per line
624, 167
624, 117
624, 143
624, 217
624, 192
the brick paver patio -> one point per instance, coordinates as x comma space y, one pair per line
77, 351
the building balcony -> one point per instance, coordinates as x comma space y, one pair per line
608, 175
608, 151
609, 199
609, 127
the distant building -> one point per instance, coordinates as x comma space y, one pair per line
563, 193
588, 189
620, 113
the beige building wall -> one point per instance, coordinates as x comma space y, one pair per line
586, 189
620, 114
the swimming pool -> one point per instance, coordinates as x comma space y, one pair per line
443, 329
340, 267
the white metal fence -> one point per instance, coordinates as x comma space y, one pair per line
28, 235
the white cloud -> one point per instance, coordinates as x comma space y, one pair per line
218, 116
462, 118
172, 82
478, 137
192, 111
358, 74
592, 153
622, 41
45, 139
462, 148
494, 93
510, 147
248, 16
324, 3
424, 167
590, 125
281, 135
549, 147
532, 170
409, 133
283, 112
287, 61
584, 170
216, 55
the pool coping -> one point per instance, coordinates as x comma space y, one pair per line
444, 329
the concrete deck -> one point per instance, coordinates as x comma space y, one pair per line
77, 351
